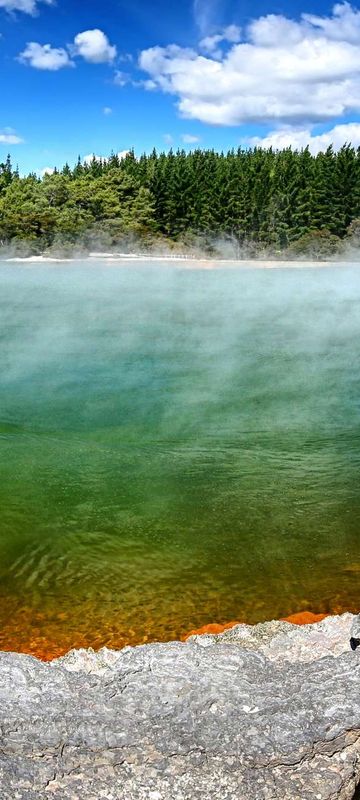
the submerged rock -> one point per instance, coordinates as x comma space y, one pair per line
257, 713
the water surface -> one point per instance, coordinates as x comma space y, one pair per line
178, 447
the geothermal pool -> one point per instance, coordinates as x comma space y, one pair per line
178, 447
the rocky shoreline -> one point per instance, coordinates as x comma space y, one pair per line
255, 713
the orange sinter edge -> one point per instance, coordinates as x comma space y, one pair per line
301, 618
49, 649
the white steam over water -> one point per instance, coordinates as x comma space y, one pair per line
183, 261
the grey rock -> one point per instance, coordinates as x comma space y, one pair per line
282, 641
257, 713
355, 629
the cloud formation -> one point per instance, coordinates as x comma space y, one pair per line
121, 78
304, 137
45, 57
8, 136
188, 138
205, 12
27, 6
94, 46
283, 71
91, 156
210, 44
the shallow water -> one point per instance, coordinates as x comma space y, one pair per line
178, 447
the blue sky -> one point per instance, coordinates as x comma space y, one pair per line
214, 73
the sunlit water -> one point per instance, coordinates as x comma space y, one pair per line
178, 447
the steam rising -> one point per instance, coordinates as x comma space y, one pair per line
178, 446
194, 247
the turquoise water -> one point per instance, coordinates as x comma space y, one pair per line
178, 447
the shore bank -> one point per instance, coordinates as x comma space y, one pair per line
54, 640
269, 711
299, 618
190, 262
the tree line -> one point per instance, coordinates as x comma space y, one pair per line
249, 201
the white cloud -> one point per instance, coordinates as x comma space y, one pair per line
43, 56
148, 85
107, 111
205, 13
232, 33
121, 78
8, 136
90, 157
47, 171
343, 26
275, 30
27, 6
126, 57
94, 46
187, 138
168, 139
210, 44
285, 71
122, 154
348, 133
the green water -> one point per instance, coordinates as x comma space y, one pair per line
178, 447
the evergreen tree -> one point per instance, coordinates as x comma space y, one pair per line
282, 201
